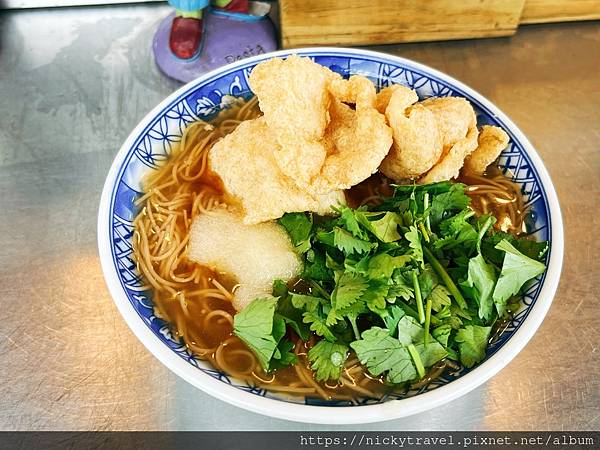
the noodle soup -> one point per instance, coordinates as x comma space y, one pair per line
196, 300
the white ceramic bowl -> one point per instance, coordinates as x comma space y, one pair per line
150, 143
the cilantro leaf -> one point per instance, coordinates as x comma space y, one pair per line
349, 244
430, 353
299, 228
472, 343
445, 203
482, 278
447, 317
286, 356
315, 267
457, 231
441, 334
427, 281
293, 317
344, 241
278, 333
414, 242
391, 317
279, 288
532, 249
259, 328
318, 325
350, 222
327, 360
305, 302
455, 224
380, 353
348, 290
432, 188
527, 246
409, 330
376, 294
440, 297
384, 226
288, 311
351, 312
516, 270
383, 265
400, 287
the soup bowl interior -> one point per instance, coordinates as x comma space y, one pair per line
150, 144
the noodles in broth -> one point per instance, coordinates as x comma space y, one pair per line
197, 300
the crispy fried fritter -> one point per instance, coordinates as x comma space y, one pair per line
417, 143
491, 142
246, 162
384, 95
448, 167
321, 148
295, 101
454, 117
357, 140
356, 90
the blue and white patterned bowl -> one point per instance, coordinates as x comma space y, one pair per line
149, 145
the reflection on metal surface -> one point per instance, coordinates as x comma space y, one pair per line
74, 84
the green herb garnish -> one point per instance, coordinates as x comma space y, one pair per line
404, 284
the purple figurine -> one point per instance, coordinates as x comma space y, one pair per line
200, 36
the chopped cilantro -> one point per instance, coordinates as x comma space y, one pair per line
298, 226
472, 342
482, 278
327, 360
404, 284
381, 353
516, 270
261, 330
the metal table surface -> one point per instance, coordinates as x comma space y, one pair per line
74, 82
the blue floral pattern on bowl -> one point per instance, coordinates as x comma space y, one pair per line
202, 101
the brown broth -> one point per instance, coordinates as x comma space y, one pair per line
495, 194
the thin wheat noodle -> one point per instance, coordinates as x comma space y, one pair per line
223, 365
352, 385
301, 371
220, 287
148, 267
245, 354
218, 313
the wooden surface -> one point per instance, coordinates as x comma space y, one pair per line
330, 22
540, 11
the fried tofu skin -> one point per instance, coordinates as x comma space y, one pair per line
324, 145
454, 117
357, 90
357, 139
491, 141
295, 101
383, 97
246, 162
448, 167
417, 142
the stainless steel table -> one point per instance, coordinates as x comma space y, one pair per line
74, 82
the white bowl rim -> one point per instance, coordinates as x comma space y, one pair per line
389, 410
